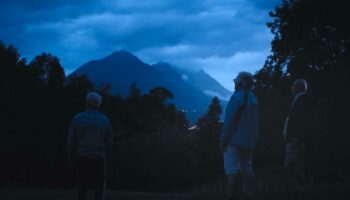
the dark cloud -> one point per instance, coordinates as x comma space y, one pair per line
266, 4
222, 37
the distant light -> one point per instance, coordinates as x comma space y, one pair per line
193, 127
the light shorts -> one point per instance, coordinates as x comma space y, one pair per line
238, 159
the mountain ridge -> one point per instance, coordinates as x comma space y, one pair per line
121, 68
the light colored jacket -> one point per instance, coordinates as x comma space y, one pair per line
247, 131
90, 135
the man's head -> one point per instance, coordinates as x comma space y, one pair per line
244, 80
299, 86
93, 100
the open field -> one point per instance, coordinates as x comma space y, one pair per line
272, 183
27, 194
338, 191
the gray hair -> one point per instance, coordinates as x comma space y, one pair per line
93, 100
300, 84
245, 80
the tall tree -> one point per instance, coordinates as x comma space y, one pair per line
311, 41
209, 127
48, 68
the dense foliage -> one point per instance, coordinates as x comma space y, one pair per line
311, 41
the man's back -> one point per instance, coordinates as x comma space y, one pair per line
92, 134
89, 136
246, 132
301, 117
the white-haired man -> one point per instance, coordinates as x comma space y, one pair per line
89, 138
239, 135
298, 129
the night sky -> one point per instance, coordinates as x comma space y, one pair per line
220, 36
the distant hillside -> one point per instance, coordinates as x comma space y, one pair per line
192, 91
121, 69
199, 80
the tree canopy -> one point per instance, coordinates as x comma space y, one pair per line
311, 41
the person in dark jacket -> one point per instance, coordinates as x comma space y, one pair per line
298, 130
89, 138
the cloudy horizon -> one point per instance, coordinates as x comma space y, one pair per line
222, 37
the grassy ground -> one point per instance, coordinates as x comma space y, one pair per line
30, 194
340, 191
271, 184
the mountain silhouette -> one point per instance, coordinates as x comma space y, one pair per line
121, 69
198, 79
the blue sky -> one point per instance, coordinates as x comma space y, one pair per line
222, 37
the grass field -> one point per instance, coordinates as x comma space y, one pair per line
340, 191
271, 184
30, 194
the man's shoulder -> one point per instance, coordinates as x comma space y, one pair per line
88, 113
235, 98
239, 97
79, 115
307, 99
97, 115
103, 117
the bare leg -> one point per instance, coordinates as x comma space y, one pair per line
247, 170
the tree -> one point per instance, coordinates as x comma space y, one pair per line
135, 92
311, 41
161, 93
209, 127
214, 110
48, 69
